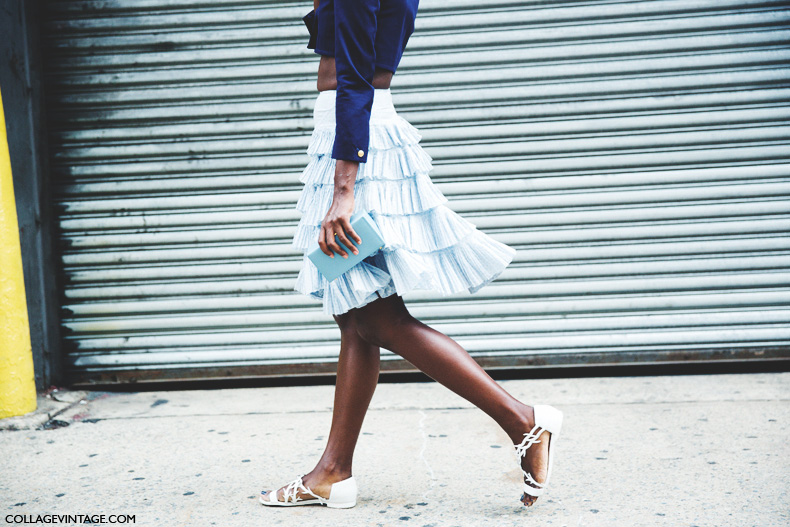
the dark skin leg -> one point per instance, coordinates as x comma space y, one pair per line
387, 323
357, 377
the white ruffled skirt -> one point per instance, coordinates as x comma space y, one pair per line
427, 244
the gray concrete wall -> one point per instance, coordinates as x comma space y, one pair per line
23, 100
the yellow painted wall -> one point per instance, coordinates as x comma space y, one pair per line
17, 383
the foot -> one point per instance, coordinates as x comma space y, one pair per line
535, 461
318, 480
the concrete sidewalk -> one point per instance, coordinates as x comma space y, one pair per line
677, 451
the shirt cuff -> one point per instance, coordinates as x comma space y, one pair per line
352, 124
350, 149
311, 21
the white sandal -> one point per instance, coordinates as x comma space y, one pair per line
549, 419
342, 495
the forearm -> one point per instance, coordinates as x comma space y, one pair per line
345, 178
315, 3
337, 221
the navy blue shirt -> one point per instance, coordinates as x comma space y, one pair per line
361, 35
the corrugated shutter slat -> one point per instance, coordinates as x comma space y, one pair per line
635, 153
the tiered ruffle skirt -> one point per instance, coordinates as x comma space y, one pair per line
427, 244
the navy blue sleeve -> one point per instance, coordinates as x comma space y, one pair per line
355, 63
311, 21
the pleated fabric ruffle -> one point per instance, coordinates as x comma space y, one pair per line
427, 244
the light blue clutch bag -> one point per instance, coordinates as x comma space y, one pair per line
372, 241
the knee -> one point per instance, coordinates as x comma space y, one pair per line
381, 331
350, 333
369, 334
346, 322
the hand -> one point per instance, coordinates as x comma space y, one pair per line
338, 220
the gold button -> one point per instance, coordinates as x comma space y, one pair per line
360, 154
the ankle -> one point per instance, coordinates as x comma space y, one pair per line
334, 470
521, 420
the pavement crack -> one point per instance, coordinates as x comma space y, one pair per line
422, 456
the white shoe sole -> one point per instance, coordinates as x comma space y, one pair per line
305, 502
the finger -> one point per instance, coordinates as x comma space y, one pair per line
334, 246
350, 231
322, 242
338, 249
341, 236
342, 239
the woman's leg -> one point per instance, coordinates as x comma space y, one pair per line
357, 376
387, 323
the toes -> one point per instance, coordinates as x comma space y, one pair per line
528, 500
267, 494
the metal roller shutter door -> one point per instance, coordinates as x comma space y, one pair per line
635, 153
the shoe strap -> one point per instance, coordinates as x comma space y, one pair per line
531, 486
532, 481
292, 490
530, 438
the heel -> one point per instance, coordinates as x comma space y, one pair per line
548, 418
343, 494
341, 505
